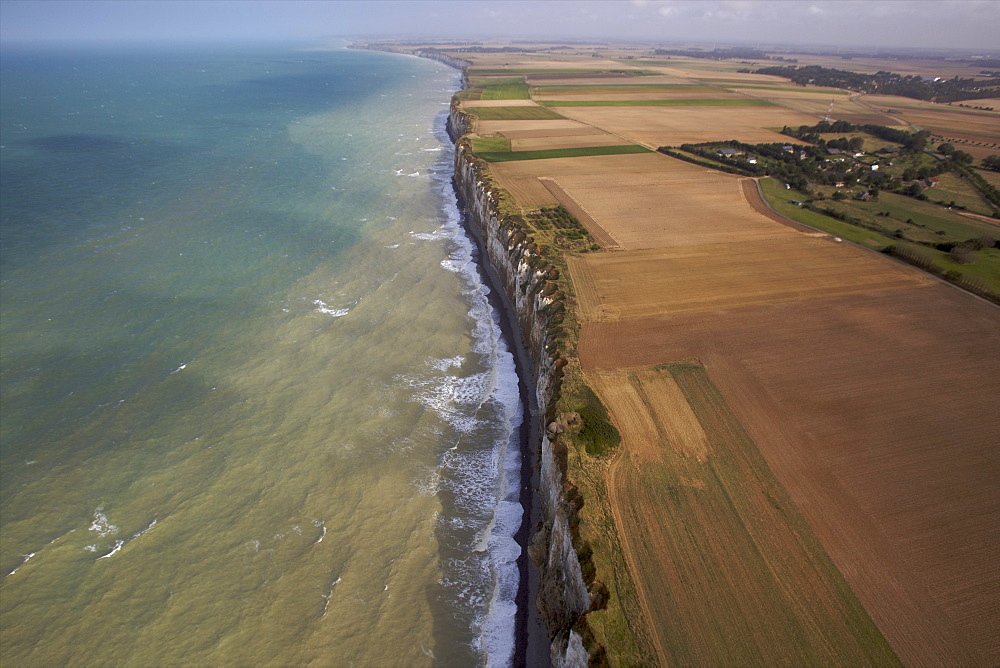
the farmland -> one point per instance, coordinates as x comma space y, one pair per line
683, 102
873, 432
570, 152
693, 494
807, 466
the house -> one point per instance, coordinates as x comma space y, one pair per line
839, 184
789, 148
874, 168
834, 151
728, 152
752, 161
864, 197
795, 202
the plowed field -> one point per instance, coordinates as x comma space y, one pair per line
728, 572
877, 412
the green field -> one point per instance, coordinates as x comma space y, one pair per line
953, 188
482, 145
930, 224
749, 102
780, 200
508, 91
544, 154
512, 113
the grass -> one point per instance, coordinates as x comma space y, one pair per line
482, 145
952, 188
598, 436
932, 223
506, 91
778, 197
512, 113
928, 219
749, 102
545, 154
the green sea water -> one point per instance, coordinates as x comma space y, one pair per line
256, 407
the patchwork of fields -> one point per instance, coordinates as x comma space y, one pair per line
808, 466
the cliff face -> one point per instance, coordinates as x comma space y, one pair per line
563, 598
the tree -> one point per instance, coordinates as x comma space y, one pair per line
962, 157
946, 148
992, 162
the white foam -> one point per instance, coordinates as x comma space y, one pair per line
26, 557
118, 546
323, 307
439, 233
101, 525
484, 480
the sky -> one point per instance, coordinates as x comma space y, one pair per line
939, 24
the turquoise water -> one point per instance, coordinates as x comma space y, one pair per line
256, 407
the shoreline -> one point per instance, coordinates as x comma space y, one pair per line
530, 637
531, 641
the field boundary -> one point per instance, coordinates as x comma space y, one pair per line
750, 102
551, 153
599, 234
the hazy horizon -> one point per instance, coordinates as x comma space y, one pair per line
852, 24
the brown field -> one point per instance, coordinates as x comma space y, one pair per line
649, 201
706, 93
671, 126
599, 234
728, 572
620, 88
929, 67
975, 125
564, 141
880, 427
818, 104
710, 72
540, 128
517, 61
783, 266
835, 414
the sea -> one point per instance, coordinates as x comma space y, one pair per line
257, 407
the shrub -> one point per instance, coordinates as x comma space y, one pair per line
597, 434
